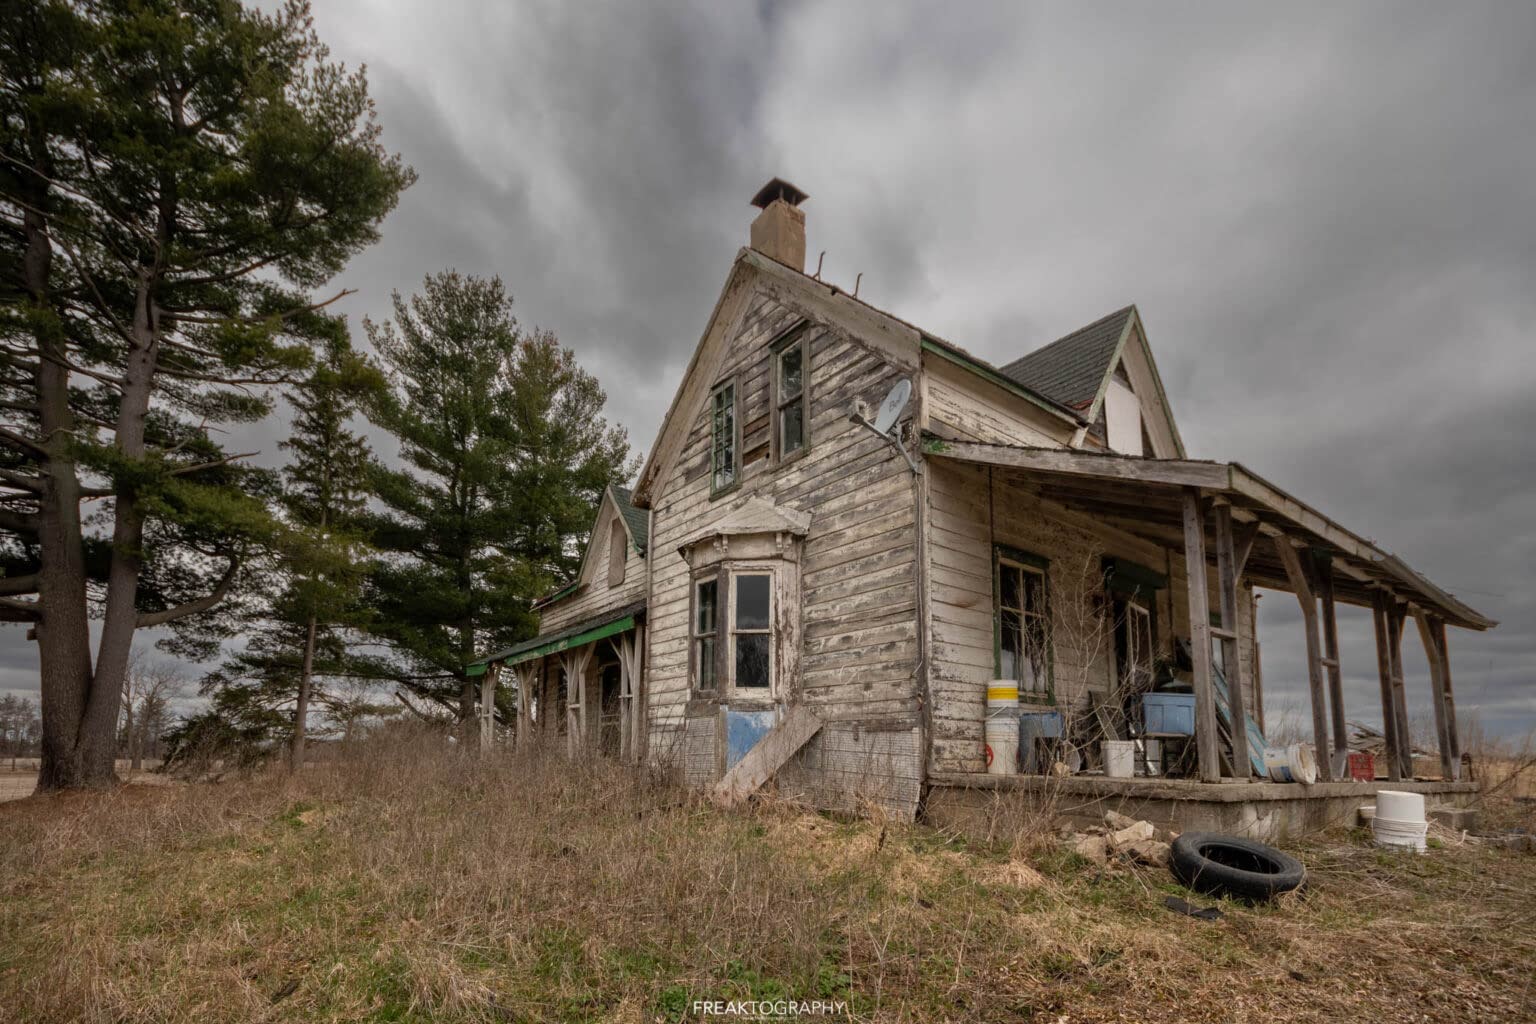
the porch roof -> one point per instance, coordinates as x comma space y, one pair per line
588, 631
1143, 497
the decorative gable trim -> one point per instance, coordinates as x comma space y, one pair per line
1155, 404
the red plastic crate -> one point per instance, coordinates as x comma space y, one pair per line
1362, 767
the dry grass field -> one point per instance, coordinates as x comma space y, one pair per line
407, 884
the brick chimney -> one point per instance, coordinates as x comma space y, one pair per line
779, 231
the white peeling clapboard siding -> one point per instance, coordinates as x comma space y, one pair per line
963, 406
858, 609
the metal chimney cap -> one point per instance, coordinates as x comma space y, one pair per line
778, 188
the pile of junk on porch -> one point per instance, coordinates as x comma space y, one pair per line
1179, 713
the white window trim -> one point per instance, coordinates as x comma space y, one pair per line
771, 632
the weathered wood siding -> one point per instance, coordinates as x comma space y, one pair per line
971, 508
961, 406
858, 615
595, 596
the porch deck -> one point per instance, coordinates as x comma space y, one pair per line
983, 804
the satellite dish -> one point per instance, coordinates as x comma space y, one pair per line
892, 406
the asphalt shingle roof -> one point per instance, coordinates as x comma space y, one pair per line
1069, 370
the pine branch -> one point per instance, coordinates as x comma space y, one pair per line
201, 604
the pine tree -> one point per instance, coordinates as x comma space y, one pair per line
505, 456
175, 179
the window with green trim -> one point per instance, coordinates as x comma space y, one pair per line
723, 441
1022, 621
791, 408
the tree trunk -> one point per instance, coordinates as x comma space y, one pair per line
63, 627
301, 710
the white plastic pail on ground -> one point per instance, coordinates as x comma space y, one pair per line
1119, 759
1002, 739
1399, 820
1294, 763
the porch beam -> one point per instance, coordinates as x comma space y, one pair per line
1206, 743
1178, 472
1242, 541
1228, 568
1301, 586
1432, 633
1323, 572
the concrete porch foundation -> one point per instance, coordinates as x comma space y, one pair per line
994, 806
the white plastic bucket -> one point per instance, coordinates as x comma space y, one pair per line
1408, 835
1002, 745
1002, 695
1294, 763
1119, 758
1395, 805
1399, 820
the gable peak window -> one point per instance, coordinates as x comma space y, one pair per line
724, 442
791, 405
618, 554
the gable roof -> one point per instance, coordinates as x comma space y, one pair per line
635, 519
636, 524
1071, 369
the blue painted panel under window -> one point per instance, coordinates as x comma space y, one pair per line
742, 731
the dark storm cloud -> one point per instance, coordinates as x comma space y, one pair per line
1326, 215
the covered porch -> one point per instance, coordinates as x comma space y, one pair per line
1235, 531
580, 685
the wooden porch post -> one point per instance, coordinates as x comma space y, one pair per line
1432, 632
632, 738
1228, 568
1379, 615
1200, 636
575, 665
488, 709
1323, 571
1304, 594
1396, 619
522, 678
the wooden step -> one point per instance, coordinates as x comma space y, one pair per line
767, 756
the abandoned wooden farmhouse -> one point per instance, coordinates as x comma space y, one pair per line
849, 532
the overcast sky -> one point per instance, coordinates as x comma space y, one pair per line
1326, 214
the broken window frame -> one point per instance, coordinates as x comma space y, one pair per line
724, 438
1028, 566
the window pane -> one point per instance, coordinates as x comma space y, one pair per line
752, 659
1034, 593
1010, 586
706, 607
1034, 663
792, 420
752, 602
1011, 644
706, 663
789, 373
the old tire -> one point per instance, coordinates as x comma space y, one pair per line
1231, 866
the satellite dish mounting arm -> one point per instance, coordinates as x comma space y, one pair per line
885, 419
